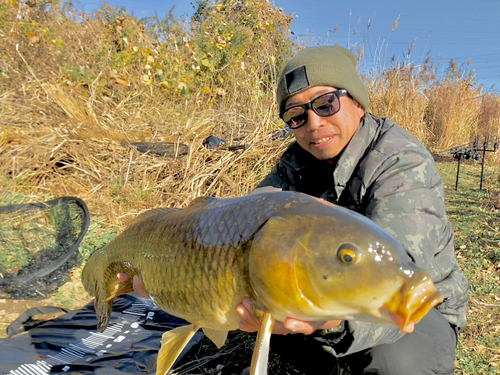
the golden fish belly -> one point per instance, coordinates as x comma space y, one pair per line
203, 286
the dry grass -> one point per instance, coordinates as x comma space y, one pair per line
82, 155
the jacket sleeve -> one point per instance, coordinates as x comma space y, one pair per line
357, 336
406, 198
275, 179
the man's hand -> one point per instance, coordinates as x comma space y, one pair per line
250, 323
137, 283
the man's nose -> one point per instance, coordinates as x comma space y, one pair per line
313, 120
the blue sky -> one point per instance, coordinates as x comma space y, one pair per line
461, 30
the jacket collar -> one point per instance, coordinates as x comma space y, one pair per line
354, 151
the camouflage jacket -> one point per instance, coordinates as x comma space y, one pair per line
387, 175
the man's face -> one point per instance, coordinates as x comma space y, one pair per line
326, 137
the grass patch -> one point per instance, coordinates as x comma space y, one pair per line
476, 223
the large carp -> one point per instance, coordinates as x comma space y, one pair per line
295, 255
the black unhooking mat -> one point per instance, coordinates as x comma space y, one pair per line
71, 344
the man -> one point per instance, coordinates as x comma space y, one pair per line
371, 165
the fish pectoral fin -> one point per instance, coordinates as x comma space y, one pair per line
102, 307
217, 337
122, 288
172, 344
260, 355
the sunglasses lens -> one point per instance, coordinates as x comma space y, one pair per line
295, 117
326, 105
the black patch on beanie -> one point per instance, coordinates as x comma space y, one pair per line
297, 80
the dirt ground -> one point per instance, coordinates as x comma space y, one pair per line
70, 295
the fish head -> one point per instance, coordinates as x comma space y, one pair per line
337, 265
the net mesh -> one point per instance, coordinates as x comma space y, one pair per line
38, 245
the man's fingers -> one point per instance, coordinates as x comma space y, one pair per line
248, 321
139, 286
300, 326
122, 277
410, 328
248, 304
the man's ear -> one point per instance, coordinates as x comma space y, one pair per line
361, 111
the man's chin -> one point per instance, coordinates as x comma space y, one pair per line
325, 155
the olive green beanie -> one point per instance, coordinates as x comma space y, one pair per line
326, 65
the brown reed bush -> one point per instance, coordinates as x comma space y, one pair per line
399, 94
82, 154
454, 109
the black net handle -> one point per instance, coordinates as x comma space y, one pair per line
71, 249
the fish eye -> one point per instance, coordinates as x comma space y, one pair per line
348, 254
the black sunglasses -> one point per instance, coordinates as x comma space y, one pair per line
324, 105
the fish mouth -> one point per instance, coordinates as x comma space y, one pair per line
412, 302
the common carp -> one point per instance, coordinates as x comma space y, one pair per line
295, 255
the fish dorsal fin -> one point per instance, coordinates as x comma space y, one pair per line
172, 344
200, 201
218, 337
260, 355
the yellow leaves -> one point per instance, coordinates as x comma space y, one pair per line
8, 135
150, 59
221, 43
208, 64
59, 42
206, 90
118, 79
270, 26
121, 81
165, 85
272, 60
146, 78
182, 89
33, 38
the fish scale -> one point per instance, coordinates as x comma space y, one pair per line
295, 255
